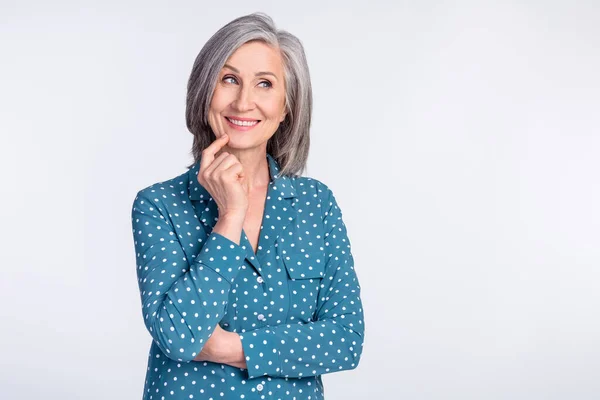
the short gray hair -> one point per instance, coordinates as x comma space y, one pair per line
290, 143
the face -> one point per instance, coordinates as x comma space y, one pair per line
249, 99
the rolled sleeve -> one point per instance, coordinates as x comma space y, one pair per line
222, 255
263, 356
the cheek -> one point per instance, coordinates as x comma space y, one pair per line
275, 108
218, 102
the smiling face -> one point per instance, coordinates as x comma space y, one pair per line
248, 103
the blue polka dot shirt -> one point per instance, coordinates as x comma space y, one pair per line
295, 303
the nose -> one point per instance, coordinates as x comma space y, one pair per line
244, 101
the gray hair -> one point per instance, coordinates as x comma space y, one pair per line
290, 143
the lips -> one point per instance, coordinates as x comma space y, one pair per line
242, 125
242, 121
241, 118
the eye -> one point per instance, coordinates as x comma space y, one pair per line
268, 84
229, 77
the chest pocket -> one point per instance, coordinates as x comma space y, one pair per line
305, 269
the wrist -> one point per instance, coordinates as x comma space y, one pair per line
232, 216
230, 226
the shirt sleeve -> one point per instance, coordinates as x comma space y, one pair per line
334, 341
182, 300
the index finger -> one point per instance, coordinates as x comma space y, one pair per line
208, 154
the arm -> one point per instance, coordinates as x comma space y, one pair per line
182, 300
333, 342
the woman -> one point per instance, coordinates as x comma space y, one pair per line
245, 269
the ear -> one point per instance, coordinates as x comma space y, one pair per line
283, 115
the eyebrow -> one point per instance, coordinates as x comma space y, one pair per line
257, 74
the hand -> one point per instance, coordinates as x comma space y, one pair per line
223, 347
224, 179
214, 348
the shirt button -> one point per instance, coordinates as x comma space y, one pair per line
259, 387
260, 279
260, 317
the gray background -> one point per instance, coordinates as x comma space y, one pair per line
461, 139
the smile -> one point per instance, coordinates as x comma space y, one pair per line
242, 123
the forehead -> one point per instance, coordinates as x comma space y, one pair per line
256, 56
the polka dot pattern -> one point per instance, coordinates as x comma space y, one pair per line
295, 303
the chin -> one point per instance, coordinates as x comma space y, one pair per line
238, 141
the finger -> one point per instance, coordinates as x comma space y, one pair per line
209, 171
208, 154
224, 165
235, 170
221, 163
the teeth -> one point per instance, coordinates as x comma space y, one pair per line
242, 123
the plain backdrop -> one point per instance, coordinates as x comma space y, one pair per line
461, 139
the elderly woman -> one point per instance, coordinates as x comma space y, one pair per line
246, 276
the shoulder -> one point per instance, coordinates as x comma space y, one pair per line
164, 193
309, 189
